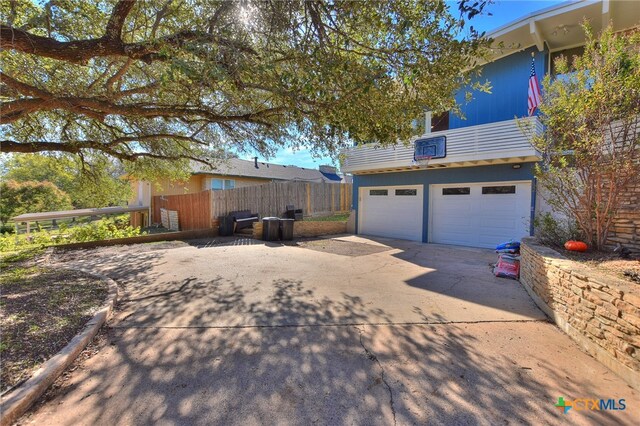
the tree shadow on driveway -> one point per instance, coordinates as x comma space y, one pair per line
278, 371
461, 279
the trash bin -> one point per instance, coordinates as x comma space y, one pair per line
286, 229
226, 226
270, 228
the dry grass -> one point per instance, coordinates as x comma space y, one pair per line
41, 310
610, 263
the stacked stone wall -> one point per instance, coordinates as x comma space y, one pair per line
600, 312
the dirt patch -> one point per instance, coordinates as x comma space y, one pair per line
610, 263
41, 310
342, 248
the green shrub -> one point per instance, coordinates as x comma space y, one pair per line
103, 229
552, 232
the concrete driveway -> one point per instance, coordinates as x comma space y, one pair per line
343, 330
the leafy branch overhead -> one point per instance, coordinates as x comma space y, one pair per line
149, 81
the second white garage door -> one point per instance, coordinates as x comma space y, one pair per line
391, 211
480, 215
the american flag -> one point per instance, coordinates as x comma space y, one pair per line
534, 89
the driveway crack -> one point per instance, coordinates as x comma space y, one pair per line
372, 357
165, 293
458, 281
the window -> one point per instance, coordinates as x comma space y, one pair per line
456, 191
378, 192
220, 184
406, 192
508, 189
217, 184
440, 122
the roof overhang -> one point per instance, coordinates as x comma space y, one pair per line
559, 27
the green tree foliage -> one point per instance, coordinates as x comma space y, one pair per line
173, 80
30, 197
92, 183
591, 141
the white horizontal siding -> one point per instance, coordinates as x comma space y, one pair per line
500, 140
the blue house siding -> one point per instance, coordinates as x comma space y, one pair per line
508, 98
502, 172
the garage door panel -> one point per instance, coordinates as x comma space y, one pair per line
394, 216
495, 223
507, 204
457, 210
453, 223
452, 232
477, 219
455, 206
457, 240
488, 233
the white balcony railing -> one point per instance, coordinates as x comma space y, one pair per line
501, 142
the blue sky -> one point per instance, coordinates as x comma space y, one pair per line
502, 12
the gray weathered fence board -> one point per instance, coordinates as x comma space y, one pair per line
270, 199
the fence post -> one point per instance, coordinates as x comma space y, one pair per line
333, 198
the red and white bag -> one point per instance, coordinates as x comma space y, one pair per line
508, 266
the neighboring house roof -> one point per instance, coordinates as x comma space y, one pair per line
259, 169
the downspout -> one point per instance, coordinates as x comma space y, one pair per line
534, 190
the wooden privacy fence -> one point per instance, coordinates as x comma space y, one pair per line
316, 199
194, 210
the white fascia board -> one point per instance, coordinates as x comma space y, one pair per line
516, 154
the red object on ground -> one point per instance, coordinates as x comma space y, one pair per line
508, 266
575, 246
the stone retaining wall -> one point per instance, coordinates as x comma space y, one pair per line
625, 228
600, 312
308, 228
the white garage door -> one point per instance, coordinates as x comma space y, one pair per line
391, 211
480, 215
